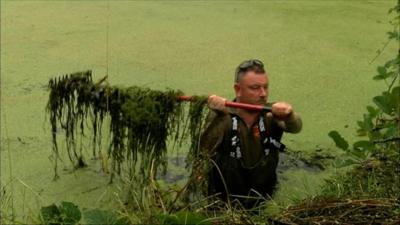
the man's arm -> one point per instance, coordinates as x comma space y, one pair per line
292, 125
285, 117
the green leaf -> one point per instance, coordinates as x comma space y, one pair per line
379, 77
395, 99
392, 130
396, 8
364, 145
374, 135
50, 214
381, 70
359, 154
383, 102
339, 140
70, 213
394, 35
373, 112
394, 63
383, 73
368, 125
361, 131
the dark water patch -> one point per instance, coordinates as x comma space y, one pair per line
179, 161
176, 171
291, 160
314, 162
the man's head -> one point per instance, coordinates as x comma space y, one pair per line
251, 82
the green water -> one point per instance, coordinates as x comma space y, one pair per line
317, 54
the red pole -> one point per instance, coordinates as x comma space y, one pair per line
234, 104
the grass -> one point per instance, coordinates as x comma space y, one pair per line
317, 53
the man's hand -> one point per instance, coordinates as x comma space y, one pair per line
217, 103
282, 111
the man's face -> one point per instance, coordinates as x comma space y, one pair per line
252, 88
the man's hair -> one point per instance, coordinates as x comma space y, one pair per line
254, 65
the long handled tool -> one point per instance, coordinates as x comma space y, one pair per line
234, 104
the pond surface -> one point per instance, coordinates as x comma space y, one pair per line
317, 54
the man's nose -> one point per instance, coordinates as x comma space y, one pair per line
263, 92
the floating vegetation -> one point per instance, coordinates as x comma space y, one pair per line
141, 121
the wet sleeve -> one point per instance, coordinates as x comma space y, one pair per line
293, 125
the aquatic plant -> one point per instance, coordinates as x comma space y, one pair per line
141, 121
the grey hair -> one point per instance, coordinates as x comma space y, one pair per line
249, 65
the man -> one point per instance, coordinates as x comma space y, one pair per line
244, 145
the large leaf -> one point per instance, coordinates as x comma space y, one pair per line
339, 140
394, 35
50, 214
395, 99
364, 145
70, 213
384, 103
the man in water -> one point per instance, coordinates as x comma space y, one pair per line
244, 145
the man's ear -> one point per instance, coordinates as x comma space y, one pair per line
236, 86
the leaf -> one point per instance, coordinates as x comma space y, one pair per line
70, 213
383, 73
339, 140
379, 77
394, 35
384, 76
383, 102
373, 112
395, 99
396, 8
394, 63
368, 125
392, 130
50, 214
359, 154
364, 145
381, 70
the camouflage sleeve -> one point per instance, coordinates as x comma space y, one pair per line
213, 133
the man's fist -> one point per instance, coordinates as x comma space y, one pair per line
217, 103
282, 110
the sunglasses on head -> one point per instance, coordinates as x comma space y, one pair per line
250, 63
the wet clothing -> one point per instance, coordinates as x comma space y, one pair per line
246, 158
